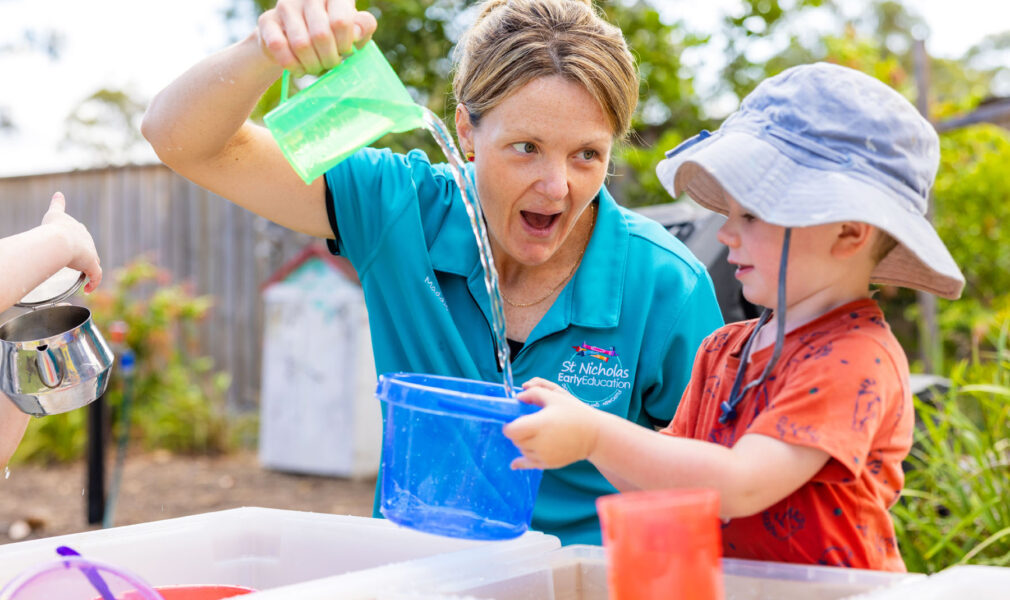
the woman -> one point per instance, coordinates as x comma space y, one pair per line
599, 299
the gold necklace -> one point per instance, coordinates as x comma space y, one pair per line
575, 266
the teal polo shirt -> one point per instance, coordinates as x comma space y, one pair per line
621, 336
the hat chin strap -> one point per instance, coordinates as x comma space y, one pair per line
729, 412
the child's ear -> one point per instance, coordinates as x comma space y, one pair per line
853, 238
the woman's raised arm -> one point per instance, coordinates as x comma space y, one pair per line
199, 126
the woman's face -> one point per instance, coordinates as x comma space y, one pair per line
540, 158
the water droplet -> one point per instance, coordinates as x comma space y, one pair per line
7, 473
82, 491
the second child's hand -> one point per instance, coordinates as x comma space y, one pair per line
563, 431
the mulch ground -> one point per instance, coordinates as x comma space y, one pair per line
38, 502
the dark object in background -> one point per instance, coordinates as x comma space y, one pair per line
697, 227
97, 435
928, 387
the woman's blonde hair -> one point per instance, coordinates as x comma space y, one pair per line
514, 42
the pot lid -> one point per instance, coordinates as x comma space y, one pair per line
61, 285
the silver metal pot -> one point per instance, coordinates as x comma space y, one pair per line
52, 358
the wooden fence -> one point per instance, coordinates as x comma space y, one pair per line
224, 250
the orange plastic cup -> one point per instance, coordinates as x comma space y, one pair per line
663, 544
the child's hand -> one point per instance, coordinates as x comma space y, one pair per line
83, 256
562, 432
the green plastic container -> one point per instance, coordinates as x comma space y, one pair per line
351, 106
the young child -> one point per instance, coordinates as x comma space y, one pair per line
801, 418
26, 260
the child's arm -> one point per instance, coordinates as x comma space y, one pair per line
27, 259
13, 423
755, 473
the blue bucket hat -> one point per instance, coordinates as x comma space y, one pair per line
822, 143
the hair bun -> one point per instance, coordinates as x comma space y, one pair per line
513, 42
490, 5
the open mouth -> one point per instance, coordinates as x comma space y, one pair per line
539, 222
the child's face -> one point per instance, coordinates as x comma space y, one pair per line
755, 247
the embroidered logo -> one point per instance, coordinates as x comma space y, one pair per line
594, 352
595, 375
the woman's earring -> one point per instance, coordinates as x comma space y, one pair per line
469, 156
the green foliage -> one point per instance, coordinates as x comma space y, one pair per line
635, 180
184, 411
953, 508
56, 438
178, 400
669, 109
107, 123
972, 201
760, 22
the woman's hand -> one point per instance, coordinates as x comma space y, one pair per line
312, 36
563, 431
82, 255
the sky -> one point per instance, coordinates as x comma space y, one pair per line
134, 45
141, 45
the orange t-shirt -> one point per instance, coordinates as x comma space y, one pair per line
840, 385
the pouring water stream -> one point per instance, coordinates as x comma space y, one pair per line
468, 191
308, 139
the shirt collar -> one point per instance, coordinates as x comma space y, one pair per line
454, 250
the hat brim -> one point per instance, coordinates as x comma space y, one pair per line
781, 191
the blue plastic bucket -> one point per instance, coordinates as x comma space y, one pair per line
445, 460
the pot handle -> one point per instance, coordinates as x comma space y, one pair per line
50, 366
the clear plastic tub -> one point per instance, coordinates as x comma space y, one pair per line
580, 573
309, 556
265, 549
446, 463
758, 580
965, 582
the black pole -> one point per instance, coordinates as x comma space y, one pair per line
96, 460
